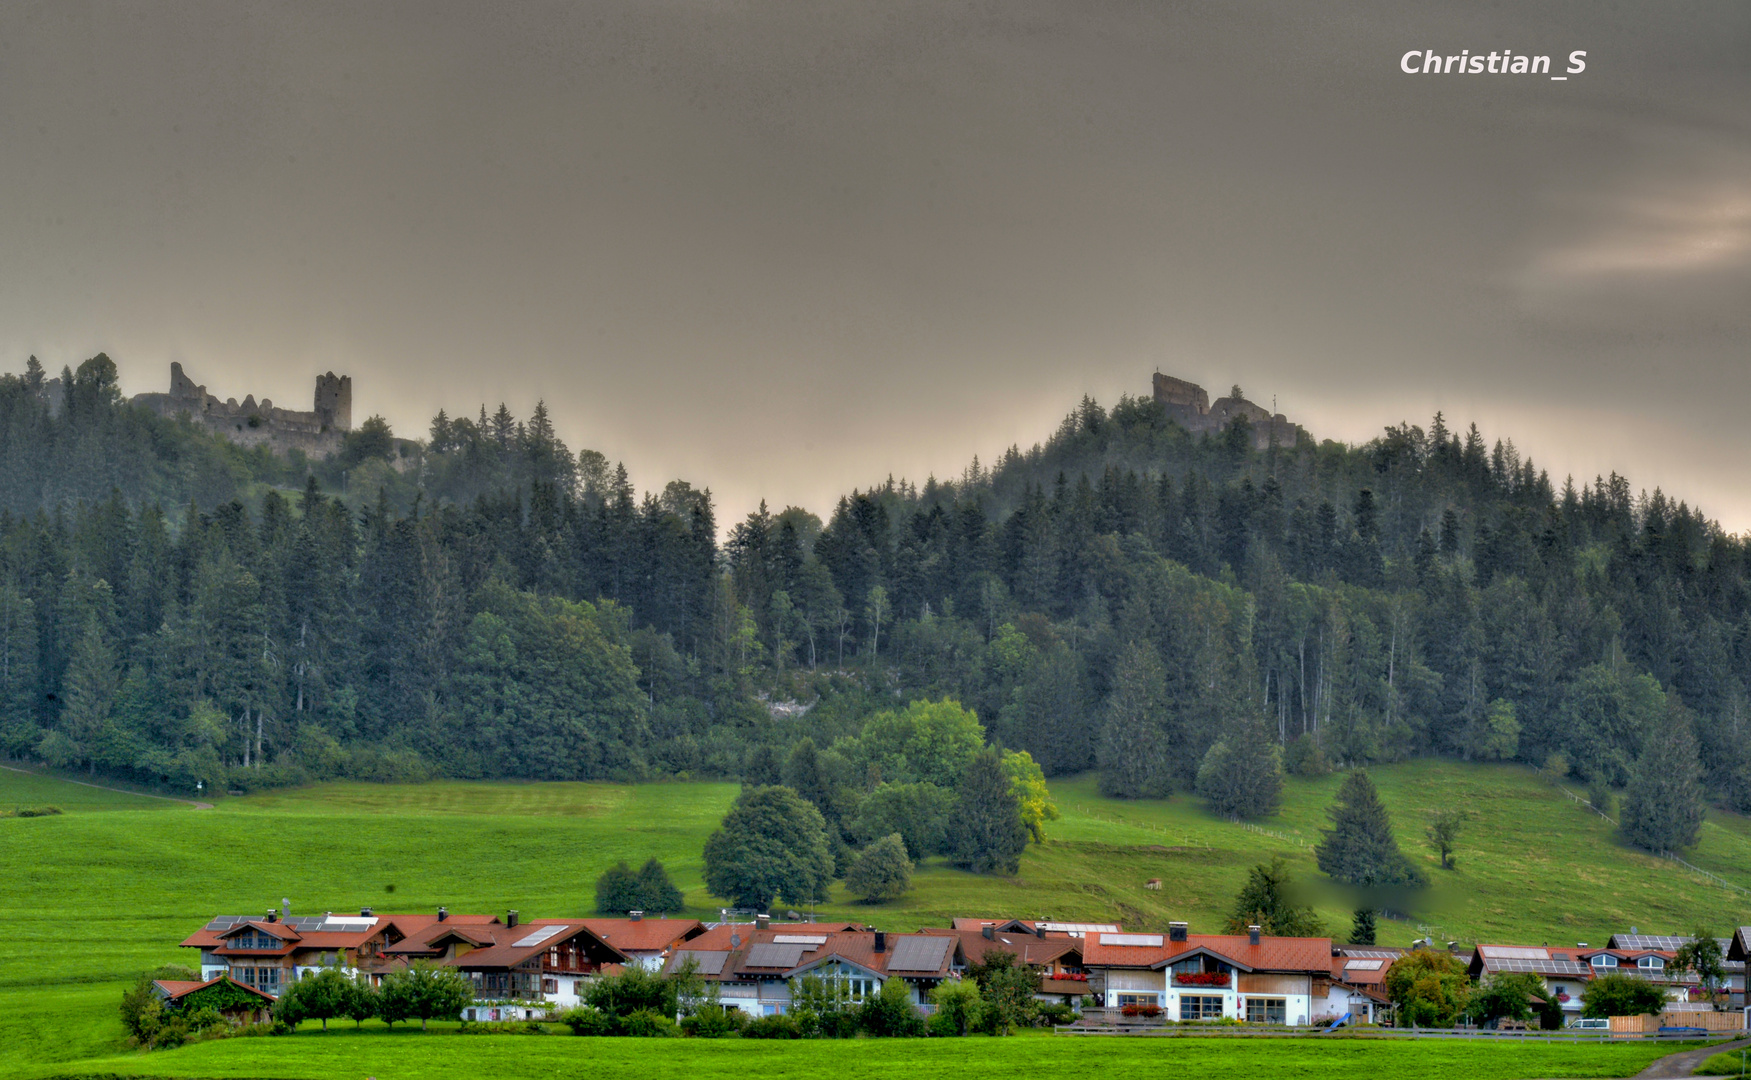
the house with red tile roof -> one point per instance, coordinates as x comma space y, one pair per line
1058, 954
236, 1002
1209, 976
275, 949
752, 968
1566, 971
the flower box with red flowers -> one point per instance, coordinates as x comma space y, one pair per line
1200, 978
1150, 1011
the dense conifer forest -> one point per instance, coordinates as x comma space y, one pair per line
484, 602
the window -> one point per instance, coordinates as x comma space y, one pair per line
1651, 963
1200, 1006
1604, 960
255, 941
1267, 1010
1136, 999
550, 986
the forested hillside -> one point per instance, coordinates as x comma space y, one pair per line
488, 603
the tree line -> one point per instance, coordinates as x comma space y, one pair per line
486, 602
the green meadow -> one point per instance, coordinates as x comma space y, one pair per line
91, 897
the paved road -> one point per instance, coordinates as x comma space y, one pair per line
120, 791
1681, 1064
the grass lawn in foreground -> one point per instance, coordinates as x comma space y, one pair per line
92, 897
410, 1055
1729, 1063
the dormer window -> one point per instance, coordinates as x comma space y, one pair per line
1651, 963
1604, 960
255, 941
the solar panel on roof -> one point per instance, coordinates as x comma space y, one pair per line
925, 952
799, 939
1079, 927
709, 963
538, 936
348, 923
1508, 952
1364, 965
770, 954
1147, 941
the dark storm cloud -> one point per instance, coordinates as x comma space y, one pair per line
782, 249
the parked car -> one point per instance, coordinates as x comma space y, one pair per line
1592, 1023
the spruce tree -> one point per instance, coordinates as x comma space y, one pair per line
1359, 848
987, 834
617, 890
1362, 927
656, 893
1663, 806
1133, 741
1267, 901
1242, 774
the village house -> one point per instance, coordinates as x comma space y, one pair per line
269, 951
236, 1002
1566, 971
1268, 980
1357, 985
752, 965
1669, 944
1055, 948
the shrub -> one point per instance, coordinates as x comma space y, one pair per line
584, 1020
1621, 995
648, 1024
1057, 1014
778, 1026
714, 1022
959, 1007
36, 811
883, 872
890, 1013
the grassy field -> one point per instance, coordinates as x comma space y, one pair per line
1730, 1063
409, 1055
93, 896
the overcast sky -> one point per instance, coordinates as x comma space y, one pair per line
786, 249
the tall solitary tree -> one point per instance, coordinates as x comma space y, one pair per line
1359, 848
772, 845
1267, 902
1242, 773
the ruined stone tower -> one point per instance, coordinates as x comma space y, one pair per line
334, 401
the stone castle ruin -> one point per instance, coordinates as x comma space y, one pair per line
1188, 405
261, 423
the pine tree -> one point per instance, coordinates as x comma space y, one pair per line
92, 680
1267, 901
1362, 927
1133, 741
617, 890
1359, 848
1663, 806
1242, 775
656, 893
987, 834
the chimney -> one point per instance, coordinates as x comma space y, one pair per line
1252, 935
510, 919
881, 942
762, 922
988, 932
635, 916
364, 913
273, 916
443, 913
1580, 944
1039, 930
1176, 931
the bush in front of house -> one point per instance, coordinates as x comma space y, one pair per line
648, 1024
713, 1021
584, 1020
889, 1013
1056, 1014
960, 1008
778, 1026
1621, 995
